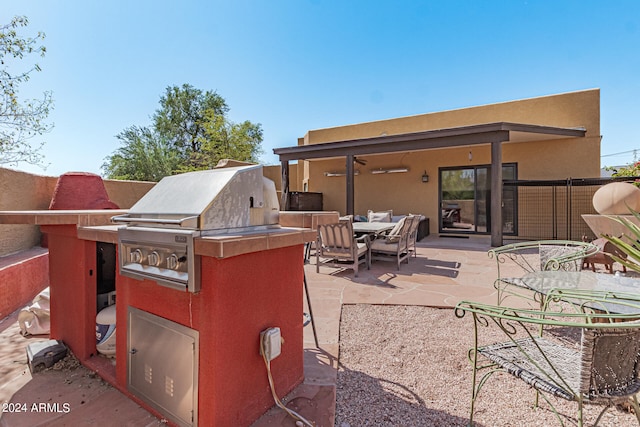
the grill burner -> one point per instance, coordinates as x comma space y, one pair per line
157, 240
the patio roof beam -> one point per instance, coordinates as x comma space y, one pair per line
416, 141
388, 145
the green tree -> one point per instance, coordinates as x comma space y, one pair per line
143, 156
190, 131
181, 116
20, 120
224, 139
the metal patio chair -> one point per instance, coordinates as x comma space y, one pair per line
601, 367
516, 259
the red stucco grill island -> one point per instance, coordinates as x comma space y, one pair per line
186, 349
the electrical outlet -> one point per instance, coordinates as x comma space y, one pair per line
271, 343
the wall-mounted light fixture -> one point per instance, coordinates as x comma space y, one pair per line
389, 170
425, 177
339, 173
470, 155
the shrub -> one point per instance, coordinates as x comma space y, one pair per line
632, 170
629, 243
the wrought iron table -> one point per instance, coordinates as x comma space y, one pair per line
571, 285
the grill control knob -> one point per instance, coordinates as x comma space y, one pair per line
154, 259
173, 262
136, 256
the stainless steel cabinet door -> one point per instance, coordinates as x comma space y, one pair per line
163, 365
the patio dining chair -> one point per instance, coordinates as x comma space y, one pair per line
337, 244
395, 245
600, 365
413, 235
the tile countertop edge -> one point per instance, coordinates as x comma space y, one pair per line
225, 246
95, 225
221, 246
60, 217
104, 233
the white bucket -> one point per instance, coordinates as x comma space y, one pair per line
106, 331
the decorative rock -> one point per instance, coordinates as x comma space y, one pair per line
616, 199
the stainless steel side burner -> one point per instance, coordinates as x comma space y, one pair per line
157, 241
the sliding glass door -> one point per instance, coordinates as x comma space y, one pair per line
465, 200
457, 194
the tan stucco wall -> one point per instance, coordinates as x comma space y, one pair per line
24, 191
564, 110
406, 193
273, 172
126, 193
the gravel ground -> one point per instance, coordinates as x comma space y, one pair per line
408, 366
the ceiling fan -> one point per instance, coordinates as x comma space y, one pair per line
359, 161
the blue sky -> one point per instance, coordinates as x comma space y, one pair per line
296, 65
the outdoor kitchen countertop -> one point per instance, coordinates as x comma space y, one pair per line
60, 217
96, 225
223, 245
228, 245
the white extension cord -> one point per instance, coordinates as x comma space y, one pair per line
301, 420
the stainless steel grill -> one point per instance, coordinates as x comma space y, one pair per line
156, 242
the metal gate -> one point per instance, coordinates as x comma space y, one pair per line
553, 209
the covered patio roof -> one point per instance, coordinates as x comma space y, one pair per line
440, 138
487, 133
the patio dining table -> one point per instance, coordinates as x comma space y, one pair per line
372, 228
575, 283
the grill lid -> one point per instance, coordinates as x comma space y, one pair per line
225, 198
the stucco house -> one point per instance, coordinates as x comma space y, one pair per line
440, 164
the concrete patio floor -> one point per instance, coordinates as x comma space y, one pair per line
445, 271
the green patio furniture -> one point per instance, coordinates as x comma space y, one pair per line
575, 348
516, 259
